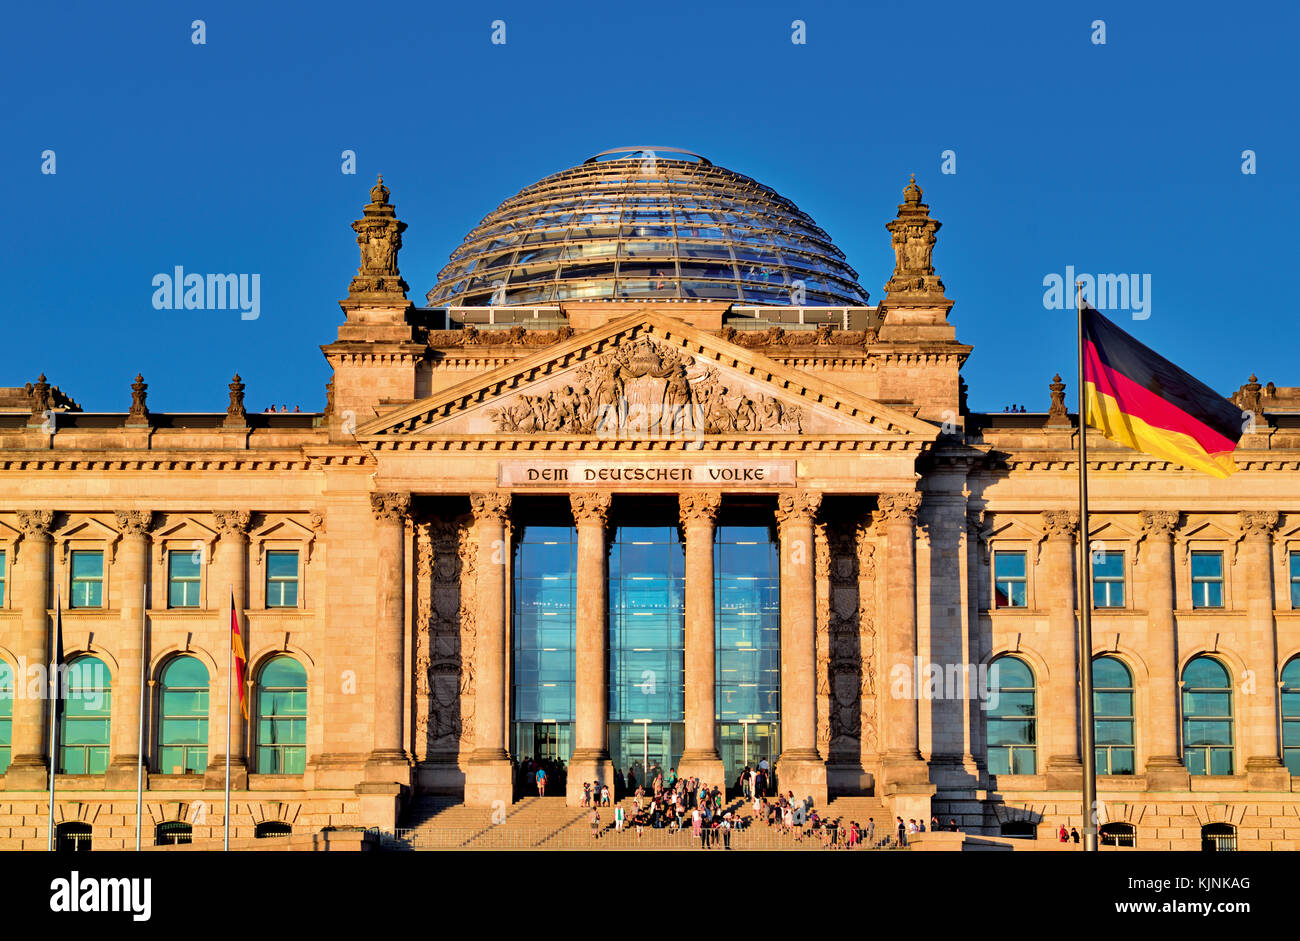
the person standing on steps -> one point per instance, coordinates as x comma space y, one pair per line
595, 822
902, 832
541, 782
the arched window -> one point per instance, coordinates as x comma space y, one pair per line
1118, 834
173, 833
1290, 715
282, 717
72, 837
1218, 838
1112, 707
183, 717
1207, 717
6, 713
271, 828
83, 734
1012, 717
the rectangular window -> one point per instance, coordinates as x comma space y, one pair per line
1009, 580
1108, 580
87, 580
282, 579
1207, 579
1295, 578
183, 579
4, 579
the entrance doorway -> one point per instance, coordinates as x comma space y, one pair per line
646, 748
744, 744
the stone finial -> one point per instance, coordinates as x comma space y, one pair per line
913, 237
1249, 399
1056, 414
41, 399
379, 235
139, 413
236, 416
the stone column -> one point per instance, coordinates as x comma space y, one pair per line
31, 591
1165, 770
388, 760
1262, 739
800, 767
590, 760
699, 513
903, 769
229, 573
1061, 698
132, 568
489, 778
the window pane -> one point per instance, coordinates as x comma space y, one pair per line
1009, 564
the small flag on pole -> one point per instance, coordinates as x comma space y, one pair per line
1136, 397
237, 648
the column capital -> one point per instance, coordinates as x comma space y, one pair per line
899, 507
35, 523
798, 506
134, 522
1258, 522
491, 505
232, 522
391, 506
698, 506
1060, 524
590, 506
1160, 523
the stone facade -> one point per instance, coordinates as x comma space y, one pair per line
888, 498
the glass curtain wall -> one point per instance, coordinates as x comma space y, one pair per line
647, 632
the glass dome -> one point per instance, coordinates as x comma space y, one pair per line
647, 222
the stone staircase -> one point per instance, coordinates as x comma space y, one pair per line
547, 823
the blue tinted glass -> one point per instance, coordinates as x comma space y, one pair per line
87, 564
183, 564
1205, 673
1009, 564
1109, 673
1207, 564
282, 564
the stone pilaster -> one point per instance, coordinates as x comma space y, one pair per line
1264, 767
590, 761
699, 514
489, 777
388, 761
800, 767
28, 769
903, 770
229, 574
1165, 770
132, 568
1064, 762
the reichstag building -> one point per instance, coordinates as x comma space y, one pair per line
649, 482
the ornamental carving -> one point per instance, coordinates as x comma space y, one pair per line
490, 506
444, 644
1058, 524
35, 523
913, 236
139, 410
1159, 522
133, 522
799, 506
590, 507
236, 414
379, 236
391, 507
644, 387
1258, 522
898, 507
232, 522
698, 506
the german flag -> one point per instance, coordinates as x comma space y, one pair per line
1136, 397
237, 650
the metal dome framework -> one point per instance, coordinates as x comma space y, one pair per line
647, 223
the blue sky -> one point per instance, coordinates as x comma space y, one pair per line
225, 157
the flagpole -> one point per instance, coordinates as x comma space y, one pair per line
1085, 613
139, 770
230, 671
54, 702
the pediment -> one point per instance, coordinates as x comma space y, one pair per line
647, 377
